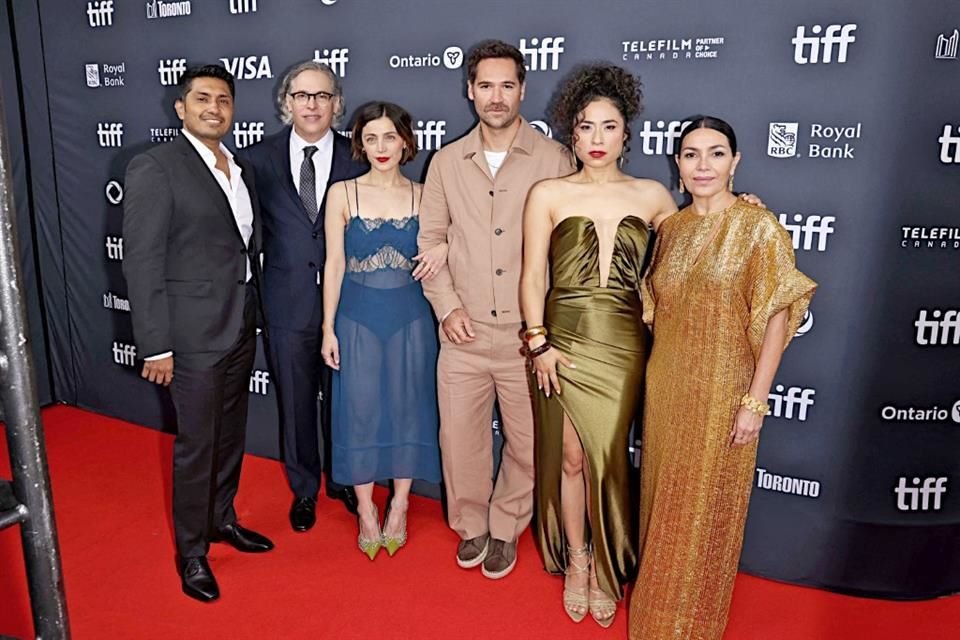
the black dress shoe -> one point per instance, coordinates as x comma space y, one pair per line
242, 539
197, 581
303, 514
347, 496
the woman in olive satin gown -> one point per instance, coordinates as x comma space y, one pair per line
592, 230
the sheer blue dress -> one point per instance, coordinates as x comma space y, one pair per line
384, 420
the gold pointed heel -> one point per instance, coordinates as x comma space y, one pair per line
370, 546
575, 602
393, 543
602, 608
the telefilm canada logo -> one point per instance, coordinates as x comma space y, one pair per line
429, 134
834, 142
949, 145
105, 75
937, 327
787, 484
159, 9
947, 45
935, 414
247, 133
100, 13
542, 53
449, 58
248, 67
243, 6
163, 134
824, 45
925, 237
922, 494
808, 232
336, 59
674, 49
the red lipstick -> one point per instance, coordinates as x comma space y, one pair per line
597, 154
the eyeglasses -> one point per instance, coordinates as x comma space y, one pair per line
302, 98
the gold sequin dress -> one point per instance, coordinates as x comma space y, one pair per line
599, 328
708, 311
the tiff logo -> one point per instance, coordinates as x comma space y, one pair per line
247, 133
336, 59
160, 9
430, 133
243, 6
947, 47
125, 354
114, 248
542, 53
785, 401
259, 382
942, 328
917, 497
100, 13
170, 70
110, 134
113, 301
805, 232
659, 141
816, 48
949, 145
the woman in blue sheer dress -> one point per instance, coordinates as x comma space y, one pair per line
379, 335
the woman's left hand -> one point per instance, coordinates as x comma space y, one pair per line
753, 199
746, 427
430, 261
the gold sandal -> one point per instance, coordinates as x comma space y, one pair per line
602, 608
576, 603
370, 546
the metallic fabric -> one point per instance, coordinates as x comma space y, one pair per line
600, 330
708, 310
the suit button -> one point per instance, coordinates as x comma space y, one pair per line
499, 272
493, 312
491, 192
243, 252
316, 234
498, 231
240, 282
312, 265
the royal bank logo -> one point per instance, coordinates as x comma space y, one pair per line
159, 9
922, 495
451, 58
336, 59
930, 237
808, 232
949, 145
114, 192
935, 414
170, 70
248, 67
787, 484
820, 47
124, 354
114, 246
100, 13
542, 54
937, 327
660, 137
105, 75
947, 46
429, 134
791, 403
110, 134
543, 127
247, 133
243, 6
115, 302
806, 325
782, 140
164, 134
657, 49
259, 382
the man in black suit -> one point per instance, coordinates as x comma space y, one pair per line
293, 170
191, 235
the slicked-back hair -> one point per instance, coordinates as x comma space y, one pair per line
709, 122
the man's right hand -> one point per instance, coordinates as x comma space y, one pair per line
457, 327
159, 371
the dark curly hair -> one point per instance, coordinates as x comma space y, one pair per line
589, 82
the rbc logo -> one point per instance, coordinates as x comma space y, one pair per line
782, 142
542, 54
816, 48
336, 59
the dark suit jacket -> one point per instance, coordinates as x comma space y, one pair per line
184, 259
293, 247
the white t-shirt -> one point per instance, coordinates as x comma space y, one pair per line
494, 160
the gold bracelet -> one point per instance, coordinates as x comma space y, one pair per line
533, 332
754, 406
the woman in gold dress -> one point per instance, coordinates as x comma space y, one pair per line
592, 229
723, 298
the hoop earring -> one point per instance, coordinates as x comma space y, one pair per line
730, 183
681, 188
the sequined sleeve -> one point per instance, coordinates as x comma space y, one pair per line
775, 284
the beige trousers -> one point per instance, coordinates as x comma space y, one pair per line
469, 377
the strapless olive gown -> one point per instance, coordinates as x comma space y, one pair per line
600, 329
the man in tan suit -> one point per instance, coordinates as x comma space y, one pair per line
473, 198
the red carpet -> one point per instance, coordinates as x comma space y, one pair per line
111, 487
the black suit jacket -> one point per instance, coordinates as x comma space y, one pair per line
294, 249
184, 258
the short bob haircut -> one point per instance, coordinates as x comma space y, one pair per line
397, 115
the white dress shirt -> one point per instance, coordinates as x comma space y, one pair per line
322, 160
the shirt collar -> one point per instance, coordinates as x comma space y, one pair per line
523, 142
206, 154
323, 145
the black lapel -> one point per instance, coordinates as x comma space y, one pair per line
204, 182
246, 173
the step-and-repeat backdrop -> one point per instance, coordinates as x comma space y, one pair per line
849, 122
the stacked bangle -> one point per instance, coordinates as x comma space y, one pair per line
539, 351
754, 406
533, 332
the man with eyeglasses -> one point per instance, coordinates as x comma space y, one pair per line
293, 169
